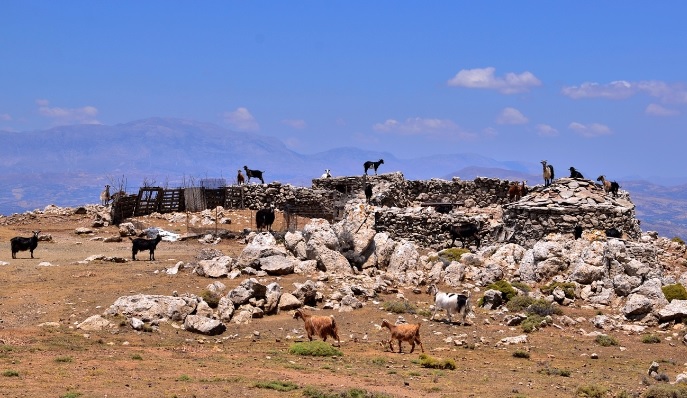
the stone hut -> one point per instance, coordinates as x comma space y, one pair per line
562, 205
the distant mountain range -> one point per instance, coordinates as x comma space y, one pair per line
69, 165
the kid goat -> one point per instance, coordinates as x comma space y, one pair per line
21, 244
404, 332
451, 302
322, 326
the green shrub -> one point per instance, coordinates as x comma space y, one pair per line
137, 357
315, 348
542, 307
399, 307
452, 254
532, 323
427, 361
10, 373
591, 391
312, 392
666, 391
277, 385
519, 303
679, 240
605, 340
71, 395
674, 292
567, 287
555, 372
211, 298
521, 286
650, 339
63, 359
505, 288
521, 354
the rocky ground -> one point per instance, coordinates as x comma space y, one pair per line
45, 349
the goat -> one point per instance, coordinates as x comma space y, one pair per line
450, 302
105, 196
575, 174
326, 174
547, 171
609, 186
368, 192
577, 232
374, 165
253, 174
517, 190
240, 180
142, 244
464, 232
322, 326
614, 233
264, 218
22, 244
405, 332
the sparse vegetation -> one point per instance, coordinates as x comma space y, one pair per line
277, 385
679, 240
427, 361
521, 286
533, 322
521, 354
399, 307
605, 340
71, 394
543, 308
591, 391
10, 373
504, 287
312, 392
519, 303
554, 372
666, 391
137, 357
315, 348
567, 287
210, 298
674, 292
651, 339
452, 254
63, 359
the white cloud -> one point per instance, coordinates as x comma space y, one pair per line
590, 130
295, 123
241, 120
423, 127
61, 116
658, 110
511, 116
545, 130
484, 78
621, 89
5, 117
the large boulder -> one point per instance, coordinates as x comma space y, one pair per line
218, 267
382, 249
676, 310
262, 245
322, 245
153, 307
278, 265
204, 325
249, 288
356, 232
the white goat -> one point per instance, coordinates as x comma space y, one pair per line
326, 174
460, 303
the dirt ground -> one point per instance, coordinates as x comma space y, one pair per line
43, 354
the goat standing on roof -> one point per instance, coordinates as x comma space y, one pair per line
253, 174
547, 171
240, 180
374, 165
575, 174
105, 196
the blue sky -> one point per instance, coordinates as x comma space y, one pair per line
601, 86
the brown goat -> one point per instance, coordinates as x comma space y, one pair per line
322, 326
517, 190
405, 332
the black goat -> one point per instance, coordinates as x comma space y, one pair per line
464, 232
253, 174
577, 232
22, 244
575, 174
547, 171
264, 218
614, 233
142, 244
368, 192
374, 165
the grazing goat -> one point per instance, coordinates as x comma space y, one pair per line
450, 302
326, 174
614, 233
405, 332
368, 192
264, 218
322, 326
22, 244
105, 196
253, 174
373, 165
577, 232
464, 232
547, 171
142, 244
240, 180
609, 186
575, 174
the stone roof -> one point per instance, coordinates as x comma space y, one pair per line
565, 193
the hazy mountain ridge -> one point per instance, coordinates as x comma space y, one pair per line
69, 165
